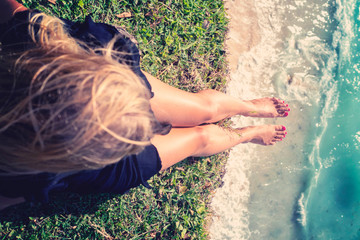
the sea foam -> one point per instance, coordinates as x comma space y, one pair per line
262, 196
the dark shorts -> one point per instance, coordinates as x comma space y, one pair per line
118, 178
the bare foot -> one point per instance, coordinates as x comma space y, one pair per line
263, 135
267, 108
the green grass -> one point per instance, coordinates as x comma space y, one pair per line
182, 44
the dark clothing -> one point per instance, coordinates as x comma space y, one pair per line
130, 171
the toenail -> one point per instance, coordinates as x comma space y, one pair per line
285, 133
289, 109
283, 128
287, 105
286, 114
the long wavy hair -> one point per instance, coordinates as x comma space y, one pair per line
65, 107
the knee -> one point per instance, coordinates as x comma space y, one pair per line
203, 137
209, 106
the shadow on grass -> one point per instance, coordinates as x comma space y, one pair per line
60, 203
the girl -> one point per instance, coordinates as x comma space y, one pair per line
77, 113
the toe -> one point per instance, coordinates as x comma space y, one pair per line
283, 109
278, 102
274, 141
280, 128
281, 134
283, 114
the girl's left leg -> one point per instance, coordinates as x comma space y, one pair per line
210, 139
181, 108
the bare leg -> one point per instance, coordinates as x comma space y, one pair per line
210, 139
181, 108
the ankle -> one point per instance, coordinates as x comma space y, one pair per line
247, 108
246, 134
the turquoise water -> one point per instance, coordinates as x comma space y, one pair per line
308, 186
332, 209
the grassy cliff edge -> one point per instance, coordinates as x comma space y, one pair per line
182, 43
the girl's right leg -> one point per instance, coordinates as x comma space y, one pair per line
181, 108
210, 139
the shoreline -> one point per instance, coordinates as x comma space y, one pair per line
243, 30
242, 35
263, 50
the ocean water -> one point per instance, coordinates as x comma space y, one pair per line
308, 186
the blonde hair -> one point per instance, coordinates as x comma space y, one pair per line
69, 107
